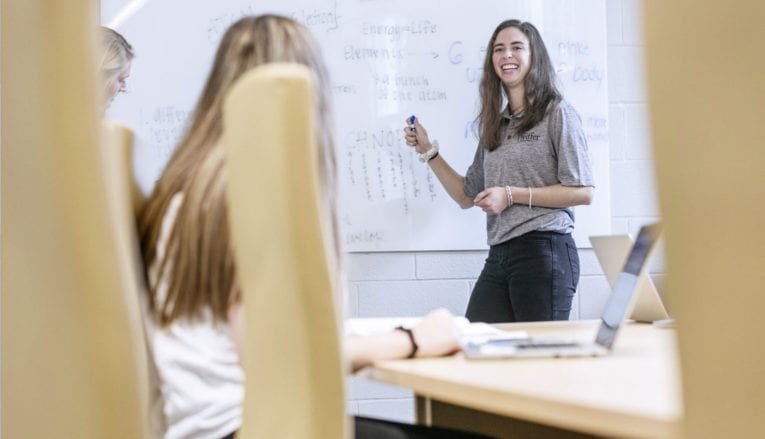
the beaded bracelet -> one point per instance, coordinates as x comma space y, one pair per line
509, 196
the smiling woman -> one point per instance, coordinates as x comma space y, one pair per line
511, 58
530, 168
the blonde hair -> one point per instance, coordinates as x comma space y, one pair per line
116, 54
198, 264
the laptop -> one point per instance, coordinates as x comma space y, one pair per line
612, 251
613, 316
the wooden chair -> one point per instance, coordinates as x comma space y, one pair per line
280, 227
71, 362
707, 138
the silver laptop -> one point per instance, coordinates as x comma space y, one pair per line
612, 251
613, 316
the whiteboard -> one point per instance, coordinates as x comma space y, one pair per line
388, 59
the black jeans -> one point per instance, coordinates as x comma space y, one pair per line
529, 278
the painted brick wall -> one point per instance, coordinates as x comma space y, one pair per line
410, 284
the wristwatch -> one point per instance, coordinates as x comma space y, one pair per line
429, 154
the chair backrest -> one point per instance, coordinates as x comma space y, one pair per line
124, 203
709, 160
293, 363
67, 343
120, 142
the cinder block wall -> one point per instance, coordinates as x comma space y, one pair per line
410, 284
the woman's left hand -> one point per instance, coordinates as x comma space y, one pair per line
492, 200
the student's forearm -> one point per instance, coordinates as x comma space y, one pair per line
553, 196
363, 351
453, 182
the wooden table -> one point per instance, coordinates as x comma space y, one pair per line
633, 392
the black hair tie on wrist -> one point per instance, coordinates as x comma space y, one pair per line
411, 338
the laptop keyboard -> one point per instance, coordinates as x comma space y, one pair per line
535, 344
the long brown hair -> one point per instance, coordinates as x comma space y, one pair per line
539, 84
198, 264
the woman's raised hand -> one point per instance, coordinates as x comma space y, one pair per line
416, 135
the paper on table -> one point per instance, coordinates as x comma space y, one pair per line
474, 332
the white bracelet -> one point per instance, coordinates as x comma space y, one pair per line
529, 197
432, 152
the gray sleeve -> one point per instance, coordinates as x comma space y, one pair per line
570, 143
474, 181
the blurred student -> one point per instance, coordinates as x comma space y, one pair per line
114, 66
195, 314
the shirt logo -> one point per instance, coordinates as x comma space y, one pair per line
528, 137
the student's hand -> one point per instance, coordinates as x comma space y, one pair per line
492, 200
436, 334
417, 138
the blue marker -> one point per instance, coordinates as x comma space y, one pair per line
411, 122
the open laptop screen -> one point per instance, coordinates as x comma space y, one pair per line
626, 284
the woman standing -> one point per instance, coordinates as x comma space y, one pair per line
530, 168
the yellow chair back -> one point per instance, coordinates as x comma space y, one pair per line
280, 230
706, 95
68, 347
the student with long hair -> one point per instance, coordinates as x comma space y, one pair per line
116, 56
531, 167
194, 309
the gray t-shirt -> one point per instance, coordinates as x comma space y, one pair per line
553, 152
